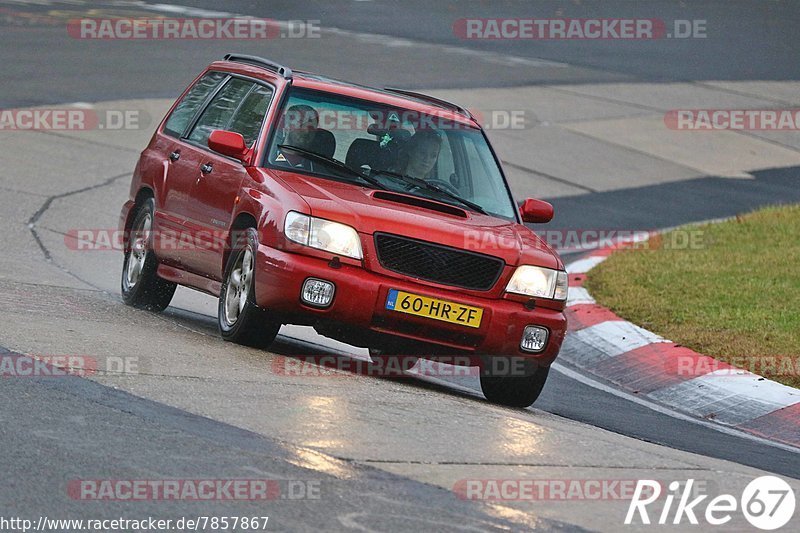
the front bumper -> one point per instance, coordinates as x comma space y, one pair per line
360, 301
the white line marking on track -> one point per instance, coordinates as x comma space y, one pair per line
616, 337
578, 295
577, 376
733, 397
746, 383
583, 266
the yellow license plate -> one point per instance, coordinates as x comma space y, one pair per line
413, 304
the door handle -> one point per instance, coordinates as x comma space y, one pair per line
207, 168
174, 156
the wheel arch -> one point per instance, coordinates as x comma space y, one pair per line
141, 197
242, 221
144, 194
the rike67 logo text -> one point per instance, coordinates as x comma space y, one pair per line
767, 503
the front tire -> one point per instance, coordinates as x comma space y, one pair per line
240, 320
515, 391
140, 285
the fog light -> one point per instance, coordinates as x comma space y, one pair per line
534, 339
317, 292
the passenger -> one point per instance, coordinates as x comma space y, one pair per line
300, 126
300, 129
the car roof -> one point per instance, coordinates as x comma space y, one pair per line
411, 100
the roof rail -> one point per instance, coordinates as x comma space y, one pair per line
286, 72
432, 99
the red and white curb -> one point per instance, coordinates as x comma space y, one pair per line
642, 363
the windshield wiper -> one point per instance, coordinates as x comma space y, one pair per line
335, 163
425, 185
331, 162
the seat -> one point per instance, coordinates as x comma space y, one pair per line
324, 143
365, 152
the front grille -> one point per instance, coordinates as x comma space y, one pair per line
434, 262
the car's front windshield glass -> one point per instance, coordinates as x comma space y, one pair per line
343, 138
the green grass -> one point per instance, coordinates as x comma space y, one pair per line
735, 297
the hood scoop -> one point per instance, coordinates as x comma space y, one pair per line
419, 202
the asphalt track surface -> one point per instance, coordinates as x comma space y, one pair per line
72, 425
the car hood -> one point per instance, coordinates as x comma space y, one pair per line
371, 211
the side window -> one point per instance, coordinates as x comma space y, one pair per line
250, 115
184, 112
487, 184
220, 110
481, 183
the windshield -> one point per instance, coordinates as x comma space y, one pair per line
390, 148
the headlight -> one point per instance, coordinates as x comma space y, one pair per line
539, 282
325, 235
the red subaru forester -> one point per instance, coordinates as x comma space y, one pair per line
380, 217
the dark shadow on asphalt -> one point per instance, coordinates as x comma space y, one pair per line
672, 204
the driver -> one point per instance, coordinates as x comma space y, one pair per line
420, 154
300, 126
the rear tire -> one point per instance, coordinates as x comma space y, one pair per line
140, 285
239, 319
515, 391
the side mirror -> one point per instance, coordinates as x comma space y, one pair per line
536, 211
228, 143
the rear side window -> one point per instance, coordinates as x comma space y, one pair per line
221, 110
185, 111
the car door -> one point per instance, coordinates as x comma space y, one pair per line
178, 162
240, 106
